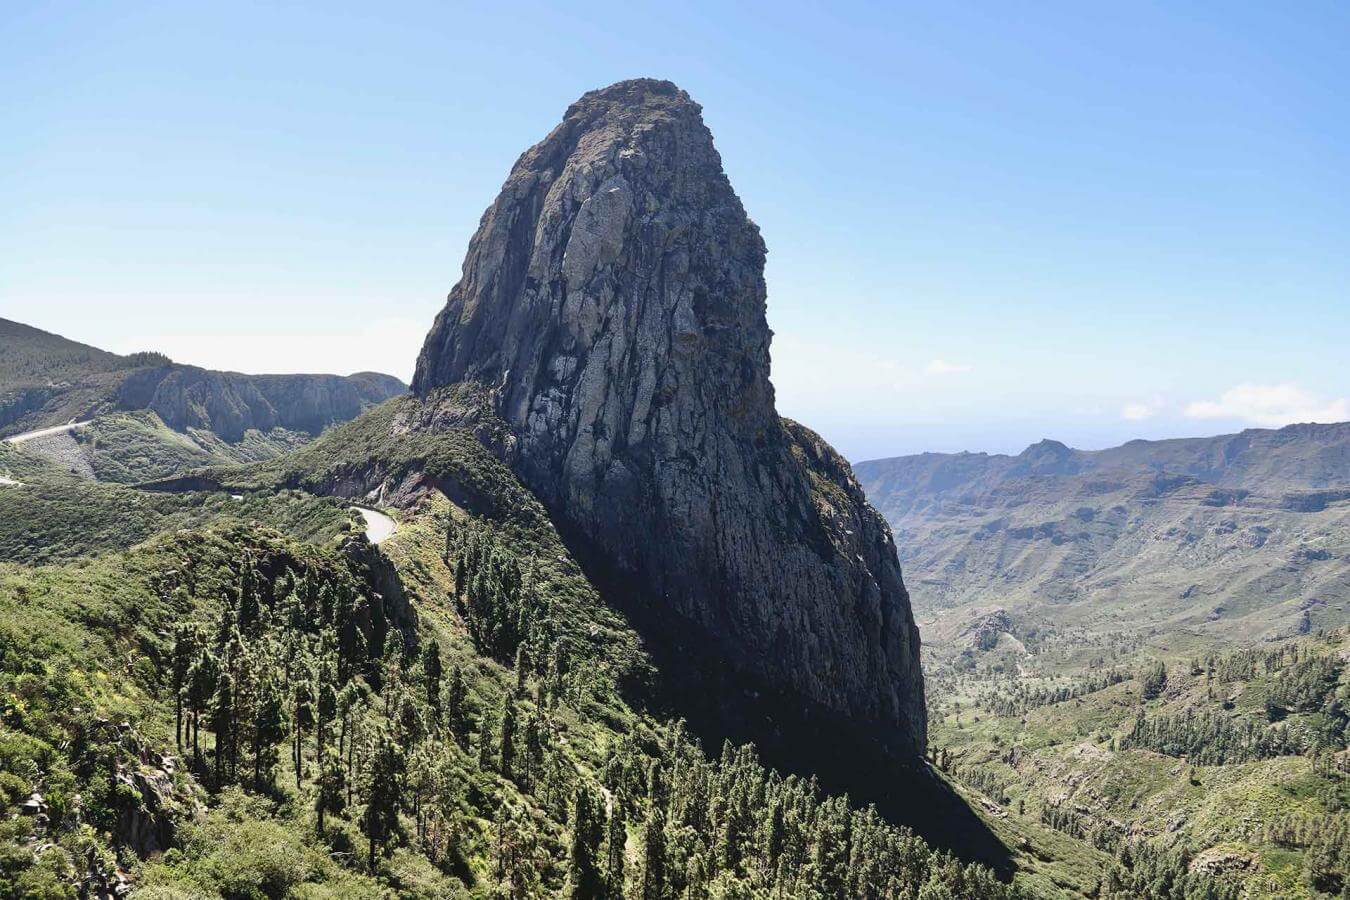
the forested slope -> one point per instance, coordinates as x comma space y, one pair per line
227, 710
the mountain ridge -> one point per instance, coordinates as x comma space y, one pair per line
1202, 457
1238, 537
46, 379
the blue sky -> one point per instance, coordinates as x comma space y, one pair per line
987, 223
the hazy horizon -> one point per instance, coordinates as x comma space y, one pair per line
981, 232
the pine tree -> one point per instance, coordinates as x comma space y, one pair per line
222, 722
249, 609
184, 653
507, 753
653, 884
330, 798
382, 789
201, 692
615, 852
431, 677
522, 668
456, 698
583, 872
268, 727
485, 743
352, 649
302, 719
461, 578
774, 837
534, 748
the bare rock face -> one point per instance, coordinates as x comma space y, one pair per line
612, 308
230, 404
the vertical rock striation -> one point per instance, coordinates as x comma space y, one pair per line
612, 309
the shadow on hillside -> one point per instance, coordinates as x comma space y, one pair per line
793, 735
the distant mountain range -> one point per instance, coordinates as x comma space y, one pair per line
46, 379
607, 553
1244, 536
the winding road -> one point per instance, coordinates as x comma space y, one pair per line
379, 526
43, 432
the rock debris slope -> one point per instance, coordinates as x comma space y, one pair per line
612, 311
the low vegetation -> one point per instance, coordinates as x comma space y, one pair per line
29, 356
135, 447
224, 693
234, 709
1217, 774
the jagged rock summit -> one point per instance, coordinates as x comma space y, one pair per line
612, 313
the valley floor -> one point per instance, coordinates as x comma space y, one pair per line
1114, 759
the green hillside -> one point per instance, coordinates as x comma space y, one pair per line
232, 710
52, 515
32, 357
1136, 658
1220, 773
133, 447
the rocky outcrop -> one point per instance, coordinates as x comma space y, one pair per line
46, 379
612, 309
150, 798
387, 605
230, 404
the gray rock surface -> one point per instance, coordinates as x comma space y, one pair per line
612, 307
230, 404
46, 379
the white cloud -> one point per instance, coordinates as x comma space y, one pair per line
942, 367
1137, 412
388, 345
1272, 406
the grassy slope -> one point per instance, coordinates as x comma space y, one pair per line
1067, 755
104, 624
54, 515
79, 643
457, 461
134, 447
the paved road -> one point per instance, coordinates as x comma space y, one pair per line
43, 432
379, 527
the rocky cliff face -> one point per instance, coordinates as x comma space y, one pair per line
46, 379
229, 403
612, 308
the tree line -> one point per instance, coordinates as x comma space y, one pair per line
377, 731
